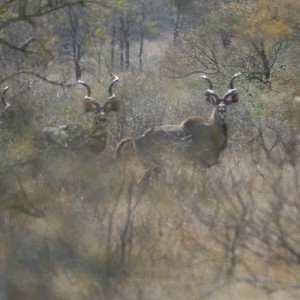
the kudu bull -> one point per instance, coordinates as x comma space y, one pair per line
195, 138
27, 166
76, 137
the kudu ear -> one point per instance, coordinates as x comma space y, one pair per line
235, 96
232, 96
88, 104
112, 104
211, 97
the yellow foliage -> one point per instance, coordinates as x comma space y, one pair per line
277, 28
23, 149
265, 18
86, 283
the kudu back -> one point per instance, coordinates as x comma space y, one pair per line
195, 138
93, 137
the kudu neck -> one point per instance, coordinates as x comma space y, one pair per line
99, 121
221, 123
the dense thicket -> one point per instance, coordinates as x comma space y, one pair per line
76, 224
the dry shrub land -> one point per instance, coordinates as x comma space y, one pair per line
78, 224
93, 228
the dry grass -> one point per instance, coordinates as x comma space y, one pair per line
227, 232
195, 234
230, 231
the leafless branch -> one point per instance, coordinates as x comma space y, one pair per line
39, 76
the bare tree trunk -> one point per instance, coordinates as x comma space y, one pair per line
77, 57
260, 49
141, 50
125, 42
112, 51
176, 26
76, 48
177, 20
121, 54
127, 54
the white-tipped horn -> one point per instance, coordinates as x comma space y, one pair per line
113, 82
232, 79
115, 77
88, 89
208, 80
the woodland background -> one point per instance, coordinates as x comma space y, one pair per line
76, 226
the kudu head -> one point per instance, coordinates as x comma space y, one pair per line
97, 134
7, 111
100, 111
231, 96
79, 136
